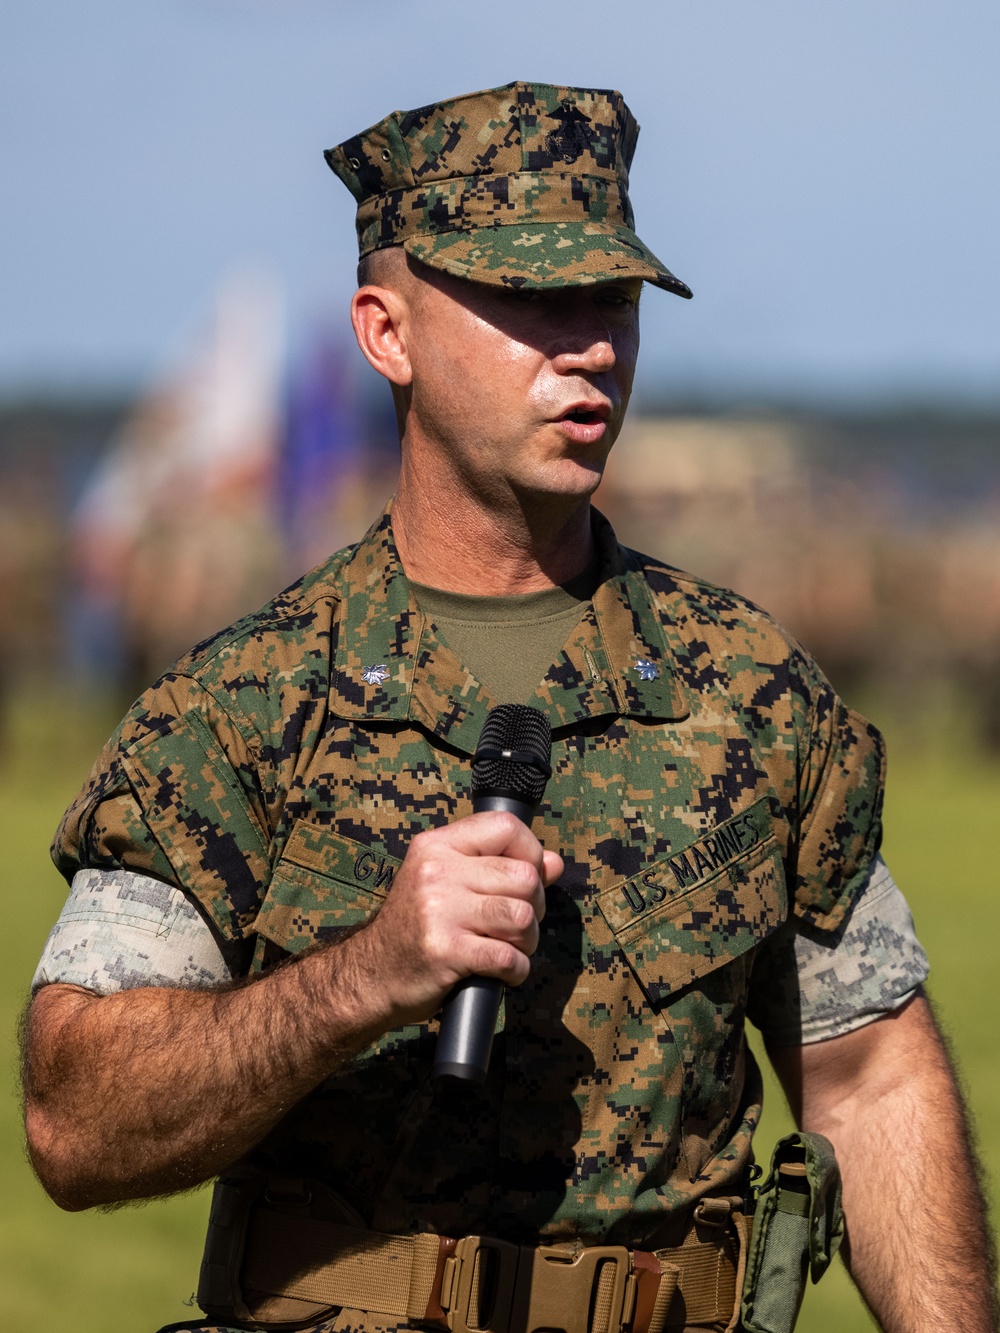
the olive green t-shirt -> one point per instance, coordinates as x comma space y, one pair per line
508, 643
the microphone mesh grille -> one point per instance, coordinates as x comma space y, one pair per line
513, 727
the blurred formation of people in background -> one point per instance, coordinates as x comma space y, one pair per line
229, 477
876, 542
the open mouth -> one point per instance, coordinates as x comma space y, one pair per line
584, 417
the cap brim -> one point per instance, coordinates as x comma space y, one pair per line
551, 254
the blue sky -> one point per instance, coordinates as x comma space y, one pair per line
824, 176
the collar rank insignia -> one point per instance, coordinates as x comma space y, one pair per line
647, 670
375, 675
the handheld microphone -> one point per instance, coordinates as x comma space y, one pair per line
509, 772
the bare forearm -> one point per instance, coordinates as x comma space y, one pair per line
154, 1090
906, 1154
918, 1244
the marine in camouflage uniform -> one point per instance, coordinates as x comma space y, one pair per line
696, 801
708, 788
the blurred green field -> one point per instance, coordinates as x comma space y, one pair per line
132, 1270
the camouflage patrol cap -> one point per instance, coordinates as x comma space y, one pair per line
520, 186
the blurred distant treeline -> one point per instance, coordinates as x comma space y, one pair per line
130, 529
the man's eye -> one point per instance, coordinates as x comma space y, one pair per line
618, 300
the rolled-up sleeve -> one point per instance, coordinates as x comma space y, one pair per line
809, 986
119, 930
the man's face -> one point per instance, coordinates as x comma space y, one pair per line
519, 393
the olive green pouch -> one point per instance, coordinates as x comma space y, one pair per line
797, 1228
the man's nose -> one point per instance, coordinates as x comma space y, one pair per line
586, 348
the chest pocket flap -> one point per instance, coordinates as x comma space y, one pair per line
699, 908
322, 884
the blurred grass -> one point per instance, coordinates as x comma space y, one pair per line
942, 822
128, 1271
132, 1270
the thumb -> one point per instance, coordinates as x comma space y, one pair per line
552, 867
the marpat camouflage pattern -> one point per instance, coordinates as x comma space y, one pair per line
696, 810
520, 186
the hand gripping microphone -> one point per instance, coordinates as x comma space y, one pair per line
509, 772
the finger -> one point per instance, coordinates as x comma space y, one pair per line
459, 893
497, 958
507, 877
509, 919
499, 874
490, 833
552, 867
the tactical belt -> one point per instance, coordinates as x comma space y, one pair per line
275, 1267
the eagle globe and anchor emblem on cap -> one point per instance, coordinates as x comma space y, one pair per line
573, 137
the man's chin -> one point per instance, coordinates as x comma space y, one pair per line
561, 487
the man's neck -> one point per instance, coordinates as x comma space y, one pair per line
458, 546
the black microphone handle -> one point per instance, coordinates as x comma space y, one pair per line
469, 1015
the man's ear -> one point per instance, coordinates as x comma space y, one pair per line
381, 324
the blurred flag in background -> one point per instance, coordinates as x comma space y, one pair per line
228, 479
322, 456
175, 535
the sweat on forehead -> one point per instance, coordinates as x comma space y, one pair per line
520, 186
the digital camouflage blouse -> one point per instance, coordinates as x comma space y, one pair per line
707, 783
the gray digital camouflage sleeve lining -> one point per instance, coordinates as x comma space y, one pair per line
118, 930
808, 988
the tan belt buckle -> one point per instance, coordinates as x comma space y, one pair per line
563, 1287
477, 1285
